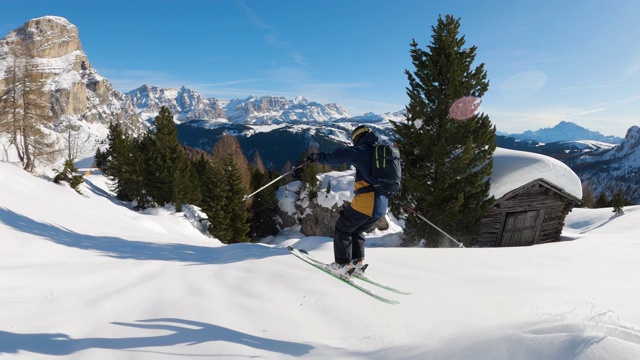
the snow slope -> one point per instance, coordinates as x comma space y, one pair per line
84, 277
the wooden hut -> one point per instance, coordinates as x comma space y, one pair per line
531, 214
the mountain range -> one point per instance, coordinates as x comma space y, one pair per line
564, 131
279, 128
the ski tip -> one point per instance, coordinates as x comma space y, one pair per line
304, 251
290, 248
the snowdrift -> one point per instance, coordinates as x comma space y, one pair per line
84, 277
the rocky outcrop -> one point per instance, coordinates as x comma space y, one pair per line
319, 221
76, 91
617, 169
314, 219
184, 103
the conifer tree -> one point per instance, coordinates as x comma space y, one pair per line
169, 179
236, 207
229, 145
257, 163
447, 161
69, 174
100, 159
602, 201
263, 216
618, 201
119, 154
213, 187
309, 175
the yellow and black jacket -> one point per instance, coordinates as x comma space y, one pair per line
365, 200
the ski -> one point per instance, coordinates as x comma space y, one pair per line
362, 277
365, 278
322, 266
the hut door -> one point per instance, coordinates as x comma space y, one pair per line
522, 228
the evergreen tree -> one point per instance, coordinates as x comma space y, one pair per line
187, 187
618, 201
447, 161
309, 175
263, 216
119, 154
236, 207
100, 159
602, 201
69, 175
169, 177
213, 187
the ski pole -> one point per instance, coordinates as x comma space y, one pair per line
276, 179
429, 222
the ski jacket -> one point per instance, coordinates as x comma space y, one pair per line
368, 202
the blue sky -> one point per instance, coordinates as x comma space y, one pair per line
547, 61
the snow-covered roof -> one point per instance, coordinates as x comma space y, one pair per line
513, 169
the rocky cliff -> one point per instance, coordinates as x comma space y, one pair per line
615, 169
75, 90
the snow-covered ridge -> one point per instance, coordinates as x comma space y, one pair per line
564, 131
187, 104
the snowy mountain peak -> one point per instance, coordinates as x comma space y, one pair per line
299, 100
187, 104
76, 91
563, 131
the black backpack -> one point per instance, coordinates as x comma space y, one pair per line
386, 168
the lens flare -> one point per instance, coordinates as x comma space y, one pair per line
465, 107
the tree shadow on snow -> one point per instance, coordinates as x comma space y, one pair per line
181, 332
119, 248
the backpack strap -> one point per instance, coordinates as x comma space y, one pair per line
365, 189
370, 187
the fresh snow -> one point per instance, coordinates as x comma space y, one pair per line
85, 277
513, 169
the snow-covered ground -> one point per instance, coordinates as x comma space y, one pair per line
84, 277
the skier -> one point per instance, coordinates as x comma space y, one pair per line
366, 207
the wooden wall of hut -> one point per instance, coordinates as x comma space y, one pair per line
531, 214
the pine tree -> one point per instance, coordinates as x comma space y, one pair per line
100, 159
213, 187
618, 201
69, 174
236, 207
602, 201
169, 177
263, 217
119, 155
446, 161
309, 175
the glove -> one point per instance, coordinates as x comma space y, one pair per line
312, 157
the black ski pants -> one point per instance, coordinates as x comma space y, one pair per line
348, 240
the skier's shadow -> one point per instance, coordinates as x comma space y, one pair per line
139, 250
183, 332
